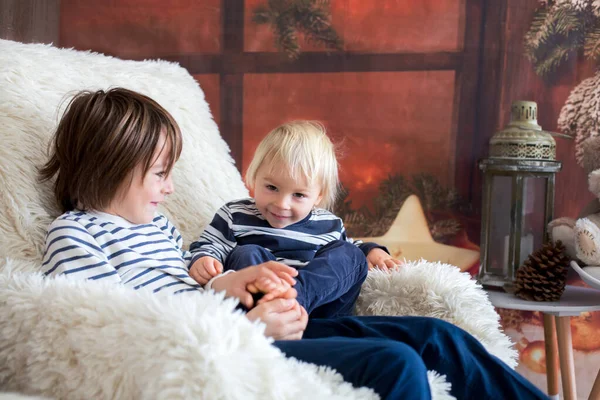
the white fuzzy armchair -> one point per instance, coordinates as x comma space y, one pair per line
81, 340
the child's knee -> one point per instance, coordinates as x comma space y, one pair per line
345, 248
347, 259
394, 370
401, 358
247, 249
360, 260
446, 335
247, 255
444, 328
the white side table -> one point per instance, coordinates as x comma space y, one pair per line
594, 282
557, 331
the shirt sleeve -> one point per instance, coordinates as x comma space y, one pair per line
172, 233
217, 240
72, 251
366, 247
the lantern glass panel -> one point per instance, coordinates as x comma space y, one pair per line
499, 224
507, 201
533, 221
518, 202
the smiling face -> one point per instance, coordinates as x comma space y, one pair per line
137, 202
281, 199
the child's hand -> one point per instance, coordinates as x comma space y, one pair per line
236, 284
205, 268
378, 258
271, 289
281, 291
285, 319
262, 285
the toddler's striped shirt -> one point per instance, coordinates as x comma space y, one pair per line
240, 222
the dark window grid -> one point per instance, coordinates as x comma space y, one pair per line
233, 63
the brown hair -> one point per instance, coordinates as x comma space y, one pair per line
99, 141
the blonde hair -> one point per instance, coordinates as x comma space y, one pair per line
307, 151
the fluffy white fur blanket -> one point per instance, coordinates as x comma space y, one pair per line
74, 340
118, 343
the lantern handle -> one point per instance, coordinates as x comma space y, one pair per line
561, 135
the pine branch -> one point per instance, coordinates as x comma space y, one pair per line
566, 20
392, 193
592, 44
443, 229
286, 39
262, 15
538, 32
553, 60
342, 205
288, 17
430, 191
278, 6
555, 32
314, 20
323, 4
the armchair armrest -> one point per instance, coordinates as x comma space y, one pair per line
423, 288
69, 339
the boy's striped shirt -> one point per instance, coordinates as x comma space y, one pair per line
239, 223
94, 245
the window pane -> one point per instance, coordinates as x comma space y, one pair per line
141, 28
210, 85
388, 122
378, 26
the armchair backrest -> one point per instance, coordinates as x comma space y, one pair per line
35, 81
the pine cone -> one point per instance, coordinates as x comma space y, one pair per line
543, 276
511, 319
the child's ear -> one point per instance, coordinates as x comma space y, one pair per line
319, 198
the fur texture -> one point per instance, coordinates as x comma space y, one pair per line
18, 396
73, 340
440, 291
37, 81
137, 345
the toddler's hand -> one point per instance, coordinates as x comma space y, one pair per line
378, 258
205, 268
271, 289
235, 284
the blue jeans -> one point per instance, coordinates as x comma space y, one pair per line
391, 355
327, 286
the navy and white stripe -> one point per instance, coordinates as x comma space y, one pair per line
240, 223
93, 245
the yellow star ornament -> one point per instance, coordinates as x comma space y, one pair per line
409, 238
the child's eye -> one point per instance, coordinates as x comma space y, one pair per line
271, 188
299, 195
161, 174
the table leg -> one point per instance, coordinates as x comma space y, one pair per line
595, 394
565, 353
552, 372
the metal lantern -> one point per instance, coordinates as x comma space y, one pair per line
518, 195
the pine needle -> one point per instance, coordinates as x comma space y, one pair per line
557, 31
592, 44
290, 18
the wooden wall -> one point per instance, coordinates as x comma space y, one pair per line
30, 21
491, 59
507, 75
428, 52
469, 79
